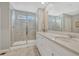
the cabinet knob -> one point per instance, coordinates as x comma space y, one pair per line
52, 54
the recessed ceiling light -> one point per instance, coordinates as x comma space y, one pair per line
42, 2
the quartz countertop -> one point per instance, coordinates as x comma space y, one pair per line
64, 40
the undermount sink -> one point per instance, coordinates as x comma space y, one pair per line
63, 37
59, 35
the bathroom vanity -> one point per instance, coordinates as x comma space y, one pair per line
53, 44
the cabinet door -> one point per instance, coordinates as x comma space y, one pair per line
50, 48
44, 46
61, 51
57, 50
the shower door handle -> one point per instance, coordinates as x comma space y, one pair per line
26, 32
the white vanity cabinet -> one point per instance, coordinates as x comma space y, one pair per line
48, 47
44, 45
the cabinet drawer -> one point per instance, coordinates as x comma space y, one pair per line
61, 51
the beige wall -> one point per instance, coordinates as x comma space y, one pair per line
4, 25
75, 18
0, 28
40, 24
42, 19
67, 23
46, 19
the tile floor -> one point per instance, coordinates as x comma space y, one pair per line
26, 51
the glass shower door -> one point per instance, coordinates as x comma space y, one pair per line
24, 27
20, 28
32, 27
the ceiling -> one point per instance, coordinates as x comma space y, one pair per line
54, 8
26, 6
58, 8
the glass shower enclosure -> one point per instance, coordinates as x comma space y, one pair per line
23, 27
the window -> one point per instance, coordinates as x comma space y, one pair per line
24, 17
21, 17
29, 17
